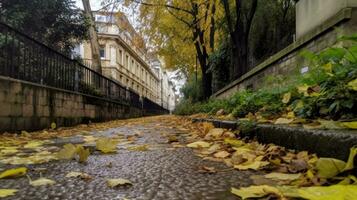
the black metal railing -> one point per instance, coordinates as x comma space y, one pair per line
22, 57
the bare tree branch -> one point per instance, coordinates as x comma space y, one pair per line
162, 5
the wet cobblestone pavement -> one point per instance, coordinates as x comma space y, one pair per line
161, 173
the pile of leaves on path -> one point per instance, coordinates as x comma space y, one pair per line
288, 174
39, 147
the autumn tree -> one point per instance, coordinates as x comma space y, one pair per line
180, 31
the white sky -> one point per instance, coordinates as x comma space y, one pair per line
96, 5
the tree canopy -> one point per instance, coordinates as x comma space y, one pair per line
57, 23
228, 36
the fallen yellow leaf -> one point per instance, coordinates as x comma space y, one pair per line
11, 173
41, 182
221, 154
68, 152
329, 124
256, 191
7, 192
82, 153
351, 158
199, 144
283, 121
286, 98
214, 133
106, 145
350, 125
334, 192
33, 144
234, 142
118, 182
53, 125
89, 138
207, 126
329, 167
255, 165
282, 176
138, 148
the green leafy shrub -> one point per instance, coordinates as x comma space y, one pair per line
324, 92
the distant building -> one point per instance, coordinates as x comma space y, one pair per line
166, 92
123, 55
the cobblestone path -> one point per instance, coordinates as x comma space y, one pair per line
161, 173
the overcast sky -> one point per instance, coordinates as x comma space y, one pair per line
96, 5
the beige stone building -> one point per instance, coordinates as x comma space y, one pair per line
123, 55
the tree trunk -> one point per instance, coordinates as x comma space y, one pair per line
96, 64
239, 62
207, 84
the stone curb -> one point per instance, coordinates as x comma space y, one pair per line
325, 143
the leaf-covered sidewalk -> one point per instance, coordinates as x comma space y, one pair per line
164, 157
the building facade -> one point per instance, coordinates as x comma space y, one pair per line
167, 89
123, 56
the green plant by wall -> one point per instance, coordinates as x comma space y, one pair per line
327, 91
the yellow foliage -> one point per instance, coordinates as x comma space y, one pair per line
255, 165
138, 148
199, 144
329, 167
68, 152
234, 142
82, 153
286, 98
353, 84
282, 176
283, 121
106, 145
351, 157
7, 192
41, 182
350, 125
53, 125
256, 191
118, 182
11, 173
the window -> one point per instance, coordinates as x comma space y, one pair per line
102, 28
120, 57
100, 18
127, 61
102, 52
104, 18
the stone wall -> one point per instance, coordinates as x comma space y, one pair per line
28, 106
311, 13
288, 60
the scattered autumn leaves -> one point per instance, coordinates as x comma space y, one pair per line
39, 147
287, 116
289, 174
